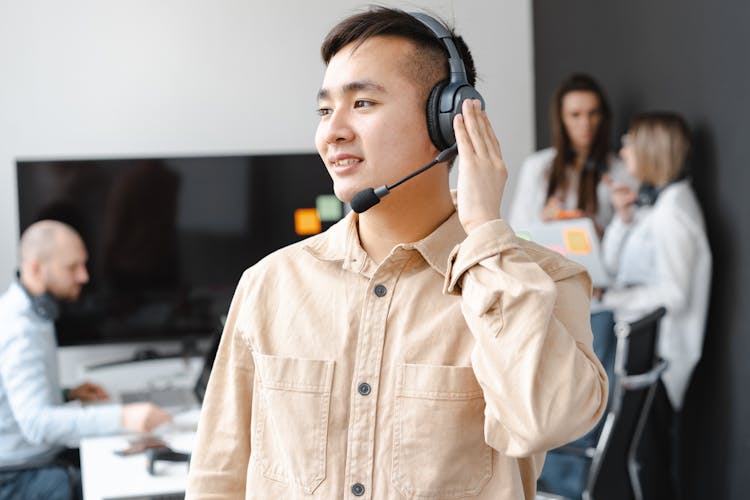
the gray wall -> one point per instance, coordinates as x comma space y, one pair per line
693, 57
124, 78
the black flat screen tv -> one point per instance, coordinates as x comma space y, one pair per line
168, 238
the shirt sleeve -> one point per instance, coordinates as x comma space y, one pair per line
529, 194
617, 173
612, 244
218, 465
35, 399
533, 358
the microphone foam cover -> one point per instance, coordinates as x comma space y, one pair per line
364, 200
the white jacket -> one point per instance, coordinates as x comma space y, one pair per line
663, 258
531, 191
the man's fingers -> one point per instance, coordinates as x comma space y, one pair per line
465, 147
471, 110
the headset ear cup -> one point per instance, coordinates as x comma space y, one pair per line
433, 116
46, 307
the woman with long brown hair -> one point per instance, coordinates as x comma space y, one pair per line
565, 181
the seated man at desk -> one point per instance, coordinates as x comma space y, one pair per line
35, 425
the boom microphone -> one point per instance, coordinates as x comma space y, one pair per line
368, 198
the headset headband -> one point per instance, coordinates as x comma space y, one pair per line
441, 32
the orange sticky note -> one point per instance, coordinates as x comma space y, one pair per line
577, 241
306, 221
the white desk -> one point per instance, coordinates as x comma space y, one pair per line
108, 476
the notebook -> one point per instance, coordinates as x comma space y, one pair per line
575, 239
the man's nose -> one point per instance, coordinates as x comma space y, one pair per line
338, 127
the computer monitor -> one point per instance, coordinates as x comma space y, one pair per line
168, 238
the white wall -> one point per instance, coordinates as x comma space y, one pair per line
86, 78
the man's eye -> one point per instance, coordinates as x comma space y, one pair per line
324, 111
361, 103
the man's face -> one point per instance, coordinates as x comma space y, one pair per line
372, 129
64, 273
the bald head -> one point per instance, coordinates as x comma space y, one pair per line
39, 240
52, 259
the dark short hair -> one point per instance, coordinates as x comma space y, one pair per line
431, 61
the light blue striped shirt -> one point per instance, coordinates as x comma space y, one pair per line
34, 421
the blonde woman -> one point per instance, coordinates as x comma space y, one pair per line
657, 250
656, 246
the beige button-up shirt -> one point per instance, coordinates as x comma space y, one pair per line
444, 372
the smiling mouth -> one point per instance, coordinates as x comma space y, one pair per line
345, 166
346, 163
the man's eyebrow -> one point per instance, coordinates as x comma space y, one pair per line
353, 87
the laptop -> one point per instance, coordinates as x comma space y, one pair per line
176, 399
575, 239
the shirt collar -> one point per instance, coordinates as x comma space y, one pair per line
341, 243
18, 294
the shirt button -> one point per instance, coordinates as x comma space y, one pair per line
380, 290
358, 489
364, 388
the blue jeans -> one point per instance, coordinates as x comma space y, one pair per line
61, 480
566, 475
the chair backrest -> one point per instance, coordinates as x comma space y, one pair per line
637, 371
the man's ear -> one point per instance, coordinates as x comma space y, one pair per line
35, 268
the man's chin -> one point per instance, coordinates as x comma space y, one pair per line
344, 195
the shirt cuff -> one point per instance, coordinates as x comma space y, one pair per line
106, 419
488, 240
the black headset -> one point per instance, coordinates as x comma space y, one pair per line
45, 305
445, 99
648, 194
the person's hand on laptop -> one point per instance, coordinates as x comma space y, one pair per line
143, 417
550, 210
87, 392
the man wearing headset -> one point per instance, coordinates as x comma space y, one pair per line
35, 426
417, 349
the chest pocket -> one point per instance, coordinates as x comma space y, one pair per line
439, 449
292, 430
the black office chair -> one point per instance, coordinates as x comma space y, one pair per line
614, 465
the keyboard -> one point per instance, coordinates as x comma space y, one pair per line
170, 397
161, 496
